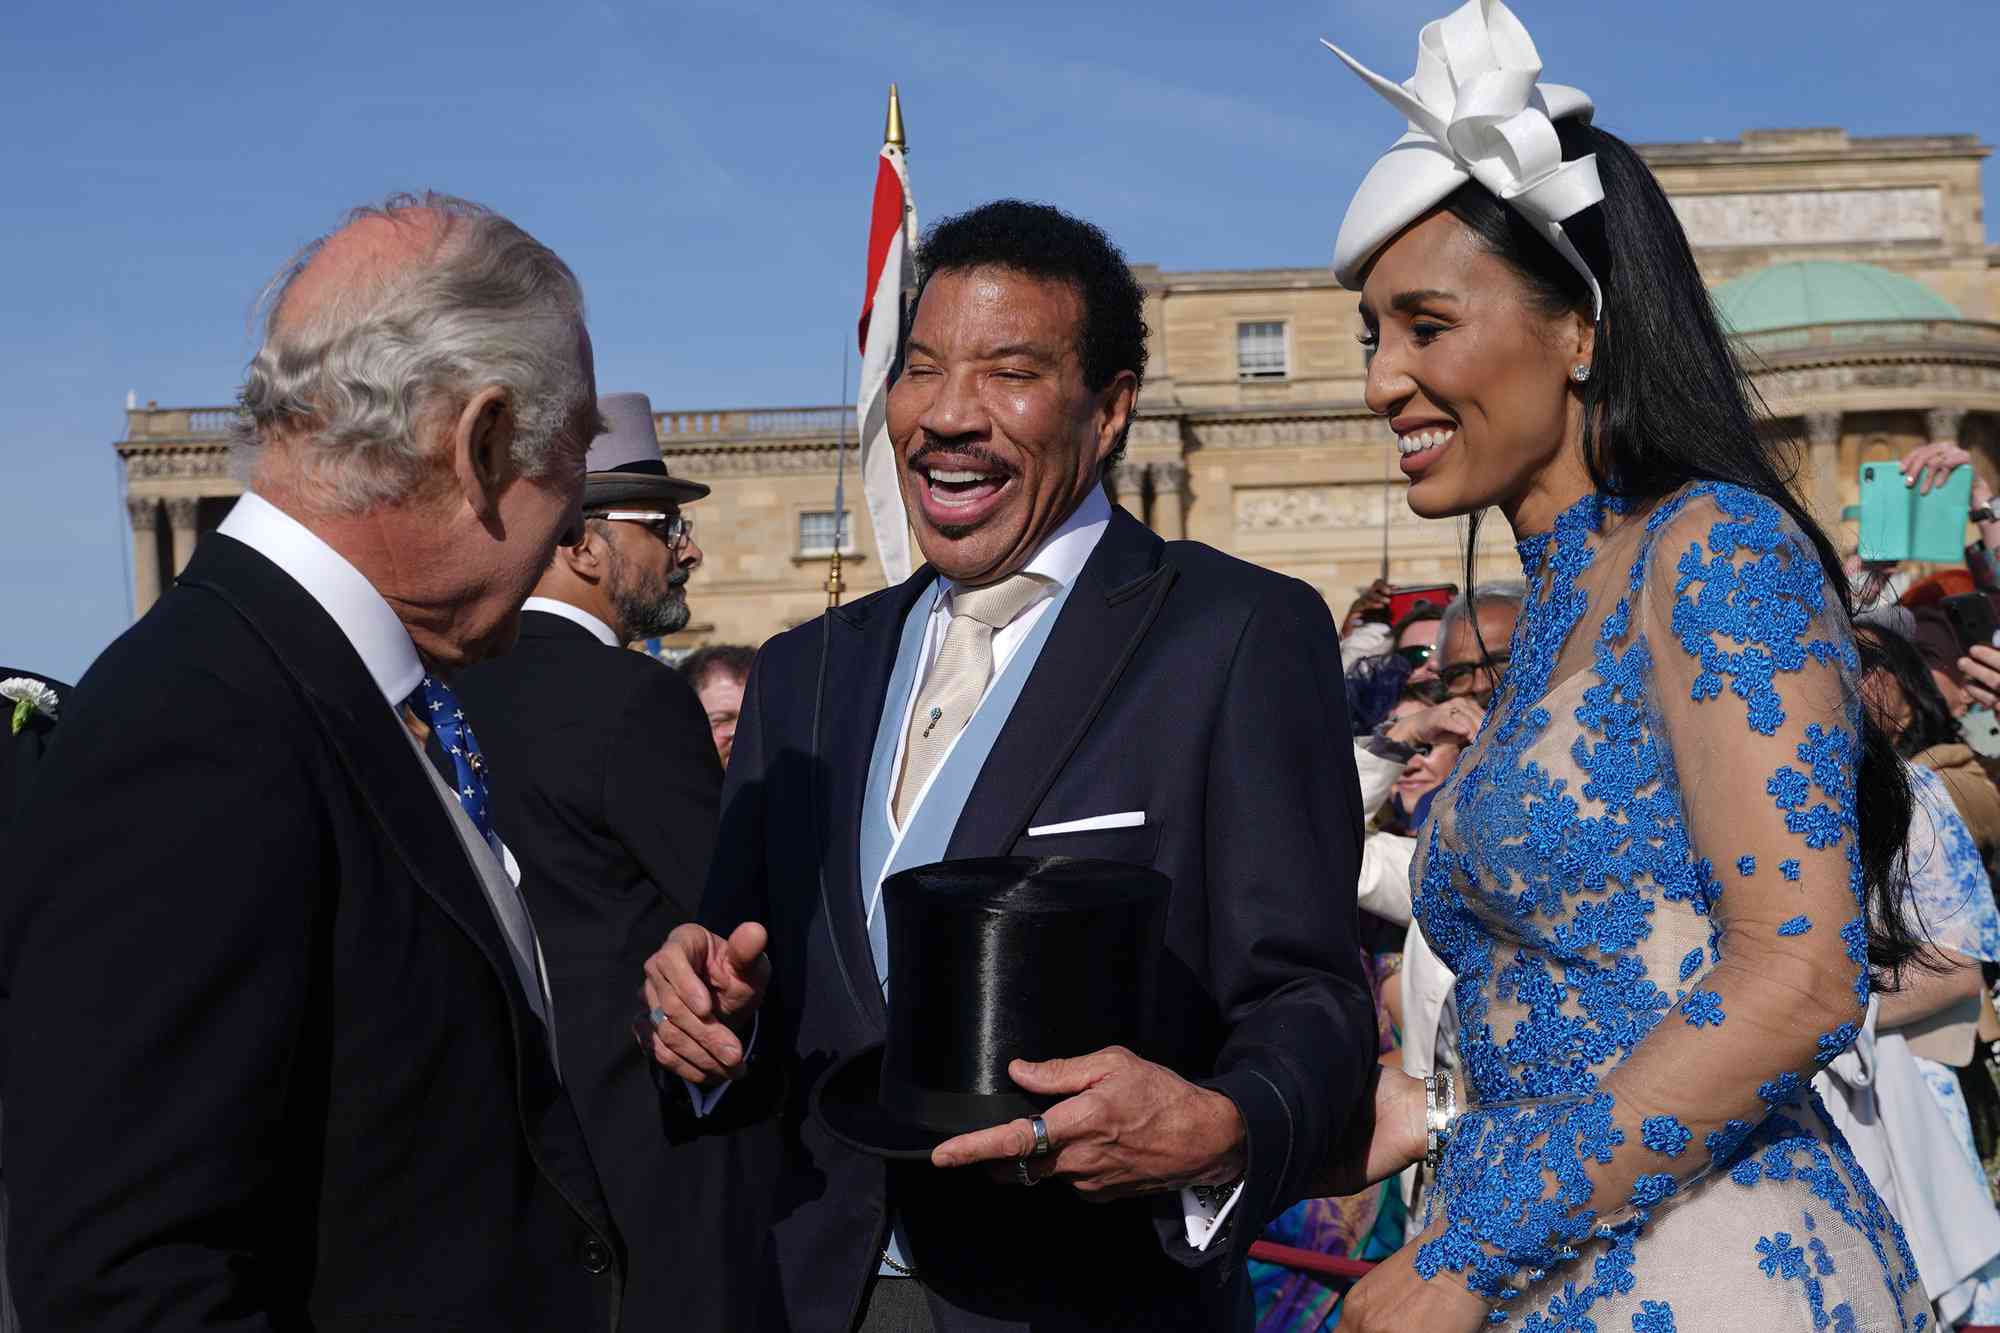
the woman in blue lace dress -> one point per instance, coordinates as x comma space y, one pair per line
1662, 871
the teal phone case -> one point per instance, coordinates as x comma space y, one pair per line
1898, 523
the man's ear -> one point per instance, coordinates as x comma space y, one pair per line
1114, 412
588, 559
482, 450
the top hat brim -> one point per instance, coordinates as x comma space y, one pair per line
845, 1103
604, 489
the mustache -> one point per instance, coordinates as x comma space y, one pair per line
678, 579
931, 448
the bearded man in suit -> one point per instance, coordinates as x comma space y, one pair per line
280, 1051
605, 786
1055, 681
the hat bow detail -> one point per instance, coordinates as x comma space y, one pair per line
1475, 100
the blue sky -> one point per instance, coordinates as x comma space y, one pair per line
706, 168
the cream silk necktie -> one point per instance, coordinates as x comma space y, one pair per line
958, 677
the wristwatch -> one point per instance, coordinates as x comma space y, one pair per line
1984, 513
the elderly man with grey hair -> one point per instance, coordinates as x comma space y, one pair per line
280, 1049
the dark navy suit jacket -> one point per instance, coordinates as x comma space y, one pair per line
1178, 681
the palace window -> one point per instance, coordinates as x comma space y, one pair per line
1260, 350
816, 532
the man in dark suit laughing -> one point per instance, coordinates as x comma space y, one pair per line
1055, 681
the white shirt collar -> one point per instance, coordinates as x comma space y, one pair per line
367, 621
575, 615
1062, 557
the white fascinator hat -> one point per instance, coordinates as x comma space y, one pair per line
1476, 112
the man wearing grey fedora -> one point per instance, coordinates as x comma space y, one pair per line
603, 781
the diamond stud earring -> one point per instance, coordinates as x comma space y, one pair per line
1579, 372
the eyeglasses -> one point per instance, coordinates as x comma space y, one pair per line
672, 529
1458, 678
1416, 654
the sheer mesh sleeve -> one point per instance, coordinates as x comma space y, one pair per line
1727, 686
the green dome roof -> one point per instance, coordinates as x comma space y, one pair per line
1821, 291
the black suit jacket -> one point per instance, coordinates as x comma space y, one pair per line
604, 782
269, 1066
24, 748
1197, 688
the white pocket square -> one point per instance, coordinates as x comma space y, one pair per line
1128, 819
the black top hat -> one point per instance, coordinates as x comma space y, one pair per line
993, 960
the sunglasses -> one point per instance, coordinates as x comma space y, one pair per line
669, 528
1416, 654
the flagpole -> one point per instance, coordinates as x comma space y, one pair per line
839, 489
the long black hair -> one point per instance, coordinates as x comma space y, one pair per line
1930, 722
1668, 403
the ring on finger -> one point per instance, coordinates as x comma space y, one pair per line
657, 1015
1040, 1127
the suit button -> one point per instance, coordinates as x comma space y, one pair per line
596, 1256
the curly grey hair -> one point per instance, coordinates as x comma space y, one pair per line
347, 384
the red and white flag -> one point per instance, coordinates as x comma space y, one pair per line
892, 279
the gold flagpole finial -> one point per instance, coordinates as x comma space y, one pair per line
892, 132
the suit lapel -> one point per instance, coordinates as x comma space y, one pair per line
376, 752
861, 656
1116, 597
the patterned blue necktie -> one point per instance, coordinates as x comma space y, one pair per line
437, 704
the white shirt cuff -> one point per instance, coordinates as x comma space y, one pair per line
704, 1099
1204, 1208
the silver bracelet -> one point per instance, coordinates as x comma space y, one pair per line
1440, 1115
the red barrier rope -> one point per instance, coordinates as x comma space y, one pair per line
1309, 1261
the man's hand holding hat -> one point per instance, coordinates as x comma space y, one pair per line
1127, 1126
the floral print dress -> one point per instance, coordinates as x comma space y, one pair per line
1645, 875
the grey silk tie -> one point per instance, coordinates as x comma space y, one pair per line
958, 677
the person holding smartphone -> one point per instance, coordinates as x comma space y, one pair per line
1926, 467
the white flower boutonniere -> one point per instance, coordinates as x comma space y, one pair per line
30, 697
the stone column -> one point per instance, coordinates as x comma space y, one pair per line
183, 513
1128, 487
1823, 462
1943, 423
1170, 499
144, 511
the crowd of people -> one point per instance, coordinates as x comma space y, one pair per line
1611, 946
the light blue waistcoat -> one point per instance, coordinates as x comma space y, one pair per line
934, 819
936, 816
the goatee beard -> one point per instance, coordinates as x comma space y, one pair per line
649, 613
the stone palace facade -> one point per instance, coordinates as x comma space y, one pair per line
1855, 271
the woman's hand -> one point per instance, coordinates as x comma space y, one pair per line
1928, 465
1386, 1134
1979, 671
1395, 1298
1455, 721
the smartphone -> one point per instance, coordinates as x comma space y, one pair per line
1900, 523
1402, 601
1981, 730
1972, 618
